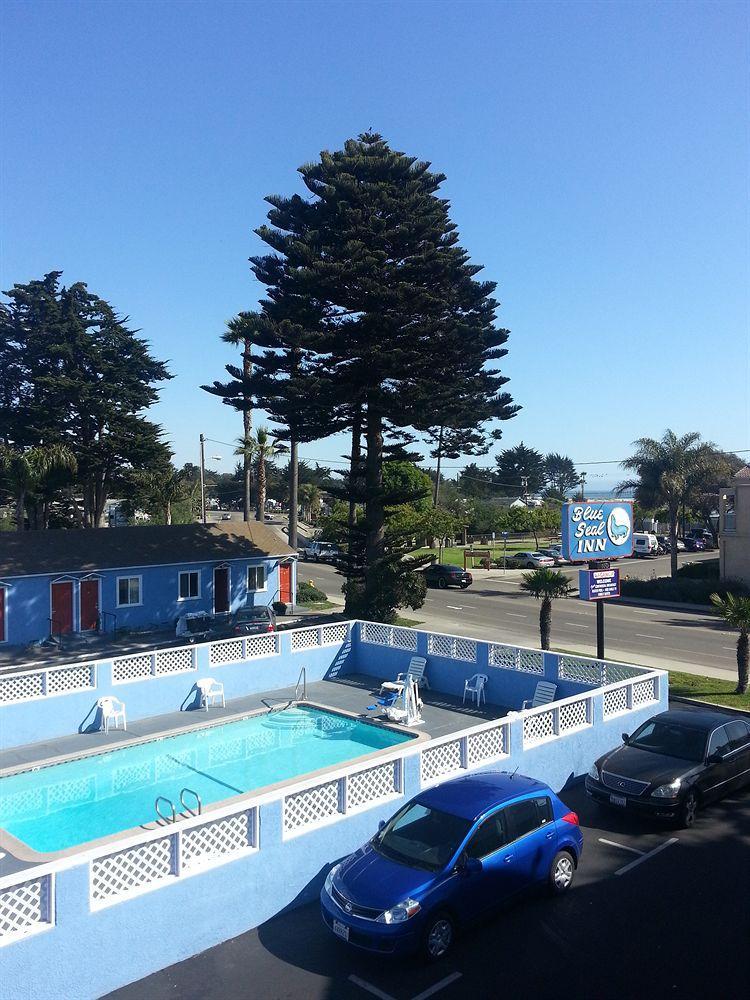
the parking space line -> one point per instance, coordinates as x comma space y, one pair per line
431, 990
645, 857
624, 847
363, 984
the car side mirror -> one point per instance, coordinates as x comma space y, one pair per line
472, 866
625, 739
381, 825
716, 757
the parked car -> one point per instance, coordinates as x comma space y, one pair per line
556, 555
694, 544
251, 621
644, 544
531, 560
450, 855
665, 545
705, 535
674, 764
226, 517
444, 575
321, 552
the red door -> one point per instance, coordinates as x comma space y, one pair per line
89, 605
285, 583
221, 590
2, 614
62, 607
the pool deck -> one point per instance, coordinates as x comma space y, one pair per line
442, 715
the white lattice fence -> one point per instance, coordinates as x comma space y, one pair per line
81, 677
574, 715
452, 647
132, 870
582, 671
539, 727
379, 635
175, 661
21, 687
332, 634
503, 656
26, 908
531, 661
266, 644
615, 702
230, 651
133, 668
311, 806
372, 785
442, 759
304, 639
644, 692
614, 672
218, 840
404, 638
486, 745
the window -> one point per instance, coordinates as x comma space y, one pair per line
524, 816
190, 586
256, 577
421, 837
490, 837
739, 734
719, 741
128, 591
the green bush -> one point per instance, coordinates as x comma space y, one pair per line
308, 593
707, 570
681, 590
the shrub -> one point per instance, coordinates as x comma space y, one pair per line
681, 590
308, 593
707, 570
279, 607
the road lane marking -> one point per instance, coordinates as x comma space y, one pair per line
431, 990
642, 636
624, 847
453, 607
645, 857
576, 625
513, 614
364, 985
730, 648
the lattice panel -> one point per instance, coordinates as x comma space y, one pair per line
261, 645
227, 750
225, 652
21, 687
530, 661
304, 639
331, 634
439, 760
538, 727
204, 844
311, 806
614, 672
169, 766
440, 645
79, 678
132, 775
573, 668
370, 785
380, 635
486, 745
77, 790
24, 908
125, 872
644, 692
174, 661
573, 716
132, 668
615, 702
503, 656
404, 638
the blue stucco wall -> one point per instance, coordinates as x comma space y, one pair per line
28, 600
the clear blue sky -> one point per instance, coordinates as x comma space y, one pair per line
597, 164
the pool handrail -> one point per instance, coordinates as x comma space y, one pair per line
160, 814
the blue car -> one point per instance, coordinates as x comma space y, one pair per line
450, 855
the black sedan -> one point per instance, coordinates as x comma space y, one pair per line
444, 575
674, 764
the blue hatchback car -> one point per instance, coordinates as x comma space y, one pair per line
448, 856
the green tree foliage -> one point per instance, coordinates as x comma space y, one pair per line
736, 613
560, 475
27, 471
717, 468
547, 585
514, 465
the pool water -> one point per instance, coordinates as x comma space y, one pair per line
66, 804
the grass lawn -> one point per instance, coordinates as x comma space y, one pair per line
317, 606
455, 556
406, 622
713, 689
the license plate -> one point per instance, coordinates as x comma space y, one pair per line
341, 930
618, 800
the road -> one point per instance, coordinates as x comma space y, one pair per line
653, 912
495, 608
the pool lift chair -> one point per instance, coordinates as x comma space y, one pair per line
406, 709
210, 690
113, 713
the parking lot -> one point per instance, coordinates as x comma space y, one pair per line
653, 912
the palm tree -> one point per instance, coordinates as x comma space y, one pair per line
261, 448
24, 470
163, 490
310, 496
736, 613
241, 331
667, 471
546, 585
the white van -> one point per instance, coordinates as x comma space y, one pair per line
645, 544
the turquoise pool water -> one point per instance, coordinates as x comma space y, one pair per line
76, 801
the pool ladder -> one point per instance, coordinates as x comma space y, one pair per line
301, 680
173, 817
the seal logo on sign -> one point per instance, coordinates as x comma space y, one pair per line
618, 525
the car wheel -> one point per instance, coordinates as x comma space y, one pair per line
442, 584
689, 810
438, 937
561, 872
464, 586
529, 565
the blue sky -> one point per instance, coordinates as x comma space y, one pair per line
596, 157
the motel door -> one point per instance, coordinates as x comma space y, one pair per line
62, 607
285, 583
89, 605
221, 590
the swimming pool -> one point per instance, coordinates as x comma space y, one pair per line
62, 805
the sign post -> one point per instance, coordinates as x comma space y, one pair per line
505, 548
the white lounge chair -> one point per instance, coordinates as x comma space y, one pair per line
415, 671
475, 687
211, 690
544, 695
113, 713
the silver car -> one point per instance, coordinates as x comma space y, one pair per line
555, 554
533, 560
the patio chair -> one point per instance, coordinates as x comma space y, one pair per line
210, 690
544, 695
475, 687
415, 671
113, 713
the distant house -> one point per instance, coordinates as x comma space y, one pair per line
734, 528
61, 581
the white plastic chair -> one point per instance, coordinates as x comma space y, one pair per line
544, 695
415, 671
475, 687
211, 689
113, 713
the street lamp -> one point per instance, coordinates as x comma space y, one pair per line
583, 484
216, 458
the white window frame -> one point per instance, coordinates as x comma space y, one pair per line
188, 572
135, 604
257, 590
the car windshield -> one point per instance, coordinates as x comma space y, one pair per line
671, 739
421, 837
252, 614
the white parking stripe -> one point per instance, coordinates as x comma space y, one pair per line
430, 991
576, 625
645, 857
364, 985
642, 636
514, 615
624, 847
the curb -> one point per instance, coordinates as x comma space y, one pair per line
724, 709
643, 602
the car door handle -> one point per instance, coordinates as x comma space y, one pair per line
550, 836
508, 858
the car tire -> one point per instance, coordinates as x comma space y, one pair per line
464, 586
689, 810
529, 565
561, 873
438, 936
442, 584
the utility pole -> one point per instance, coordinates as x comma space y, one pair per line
525, 489
583, 485
203, 478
